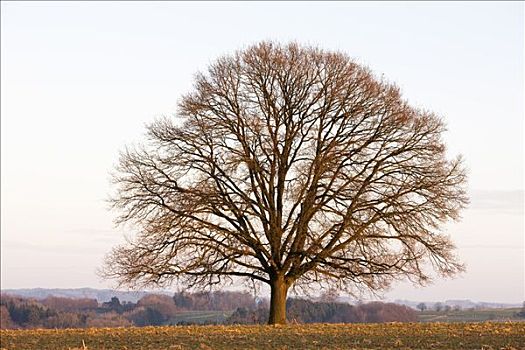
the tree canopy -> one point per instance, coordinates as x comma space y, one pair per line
292, 166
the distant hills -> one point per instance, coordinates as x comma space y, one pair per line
104, 295
463, 304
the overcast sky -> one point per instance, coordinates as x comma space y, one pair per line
79, 80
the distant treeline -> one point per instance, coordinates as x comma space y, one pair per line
306, 311
155, 309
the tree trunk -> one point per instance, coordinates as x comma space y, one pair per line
278, 300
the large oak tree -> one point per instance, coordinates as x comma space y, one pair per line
291, 166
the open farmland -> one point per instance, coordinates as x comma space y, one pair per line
470, 315
503, 335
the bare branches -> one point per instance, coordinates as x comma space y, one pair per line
289, 163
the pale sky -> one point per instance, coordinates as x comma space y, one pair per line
79, 80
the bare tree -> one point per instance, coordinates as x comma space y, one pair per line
422, 306
439, 306
291, 166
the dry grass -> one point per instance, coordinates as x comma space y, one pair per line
487, 336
